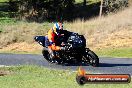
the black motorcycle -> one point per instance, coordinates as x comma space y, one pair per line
75, 50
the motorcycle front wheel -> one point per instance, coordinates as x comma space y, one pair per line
91, 58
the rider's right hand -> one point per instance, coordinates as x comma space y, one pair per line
63, 48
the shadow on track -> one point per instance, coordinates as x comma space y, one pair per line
75, 64
113, 65
100, 65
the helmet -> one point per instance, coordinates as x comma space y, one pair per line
57, 27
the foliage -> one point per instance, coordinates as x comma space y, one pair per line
39, 10
115, 5
56, 10
4, 0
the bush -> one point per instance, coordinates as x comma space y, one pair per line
115, 5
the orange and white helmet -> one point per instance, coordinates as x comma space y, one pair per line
57, 27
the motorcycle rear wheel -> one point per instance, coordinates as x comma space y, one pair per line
46, 55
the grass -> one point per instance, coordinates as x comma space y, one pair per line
19, 31
4, 0
118, 52
40, 77
87, 1
7, 21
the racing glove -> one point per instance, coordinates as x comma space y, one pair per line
63, 48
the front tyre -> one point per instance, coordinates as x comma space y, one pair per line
91, 58
94, 60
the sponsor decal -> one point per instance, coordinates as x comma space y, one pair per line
83, 77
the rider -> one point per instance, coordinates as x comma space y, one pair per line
54, 35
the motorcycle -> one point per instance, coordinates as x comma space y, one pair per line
76, 51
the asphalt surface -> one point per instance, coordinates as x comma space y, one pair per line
107, 65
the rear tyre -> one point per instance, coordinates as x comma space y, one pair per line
50, 59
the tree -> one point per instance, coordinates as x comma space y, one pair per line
40, 10
84, 2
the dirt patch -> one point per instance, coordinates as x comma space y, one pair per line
118, 39
3, 72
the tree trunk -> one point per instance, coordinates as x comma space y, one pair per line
84, 2
101, 6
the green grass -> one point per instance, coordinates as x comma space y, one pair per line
40, 77
87, 1
118, 52
7, 21
4, 0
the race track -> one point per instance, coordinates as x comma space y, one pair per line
107, 65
